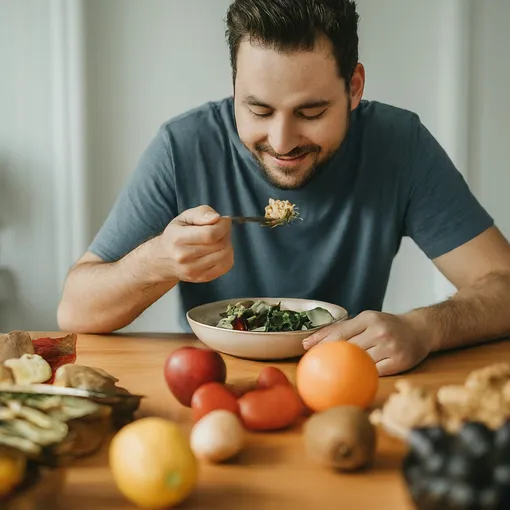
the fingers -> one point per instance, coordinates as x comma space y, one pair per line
206, 267
377, 352
343, 330
366, 340
196, 246
186, 253
211, 266
205, 234
201, 215
388, 366
223, 256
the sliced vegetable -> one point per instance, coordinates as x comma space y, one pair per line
49, 428
262, 316
319, 316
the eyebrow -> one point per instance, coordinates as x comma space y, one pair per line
318, 103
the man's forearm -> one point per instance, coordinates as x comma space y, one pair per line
103, 297
472, 315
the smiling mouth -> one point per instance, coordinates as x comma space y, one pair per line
292, 161
294, 158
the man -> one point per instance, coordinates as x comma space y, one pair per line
363, 174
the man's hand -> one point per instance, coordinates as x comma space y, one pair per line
395, 342
195, 247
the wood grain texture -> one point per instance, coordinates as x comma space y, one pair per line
274, 471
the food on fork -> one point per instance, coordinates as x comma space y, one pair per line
282, 211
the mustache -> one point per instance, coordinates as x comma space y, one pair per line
294, 153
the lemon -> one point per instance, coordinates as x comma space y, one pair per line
12, 470
152, 463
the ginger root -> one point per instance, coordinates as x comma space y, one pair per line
484, 397
410, 407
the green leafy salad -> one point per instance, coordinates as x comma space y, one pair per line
262, 316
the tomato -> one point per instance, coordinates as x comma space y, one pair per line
272, 408
270, 376
212, 396
240, 324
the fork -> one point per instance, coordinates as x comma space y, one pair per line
239, 220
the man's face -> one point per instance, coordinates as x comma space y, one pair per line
292, 110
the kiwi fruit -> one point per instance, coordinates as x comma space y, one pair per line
341, 438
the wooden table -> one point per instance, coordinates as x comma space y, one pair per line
273, 472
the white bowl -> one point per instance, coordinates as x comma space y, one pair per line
255, 345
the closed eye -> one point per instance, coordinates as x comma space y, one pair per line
312, 114
260, 115
313, 117
299, 114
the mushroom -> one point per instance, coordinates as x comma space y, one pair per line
85, 378
29, 369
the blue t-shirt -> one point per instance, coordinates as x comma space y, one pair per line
389, 179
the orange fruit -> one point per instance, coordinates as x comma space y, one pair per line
152, 463
336, 373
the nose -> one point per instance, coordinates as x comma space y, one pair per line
282, 136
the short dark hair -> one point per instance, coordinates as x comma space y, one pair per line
292, 25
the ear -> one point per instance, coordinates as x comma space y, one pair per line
357, 86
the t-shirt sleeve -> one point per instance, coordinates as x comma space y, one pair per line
441, 211
144, 207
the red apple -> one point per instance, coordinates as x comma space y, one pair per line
188, 368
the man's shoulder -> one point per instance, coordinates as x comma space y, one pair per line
209, 118
376, 115
390, 132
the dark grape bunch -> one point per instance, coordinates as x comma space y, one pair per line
469, 470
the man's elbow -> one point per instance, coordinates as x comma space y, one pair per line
72, 318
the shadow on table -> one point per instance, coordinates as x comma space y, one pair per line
229, 496
258, 455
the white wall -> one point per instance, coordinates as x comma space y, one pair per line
490, 119
421, 65
144, 63
27, 234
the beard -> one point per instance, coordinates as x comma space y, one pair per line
279, 176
